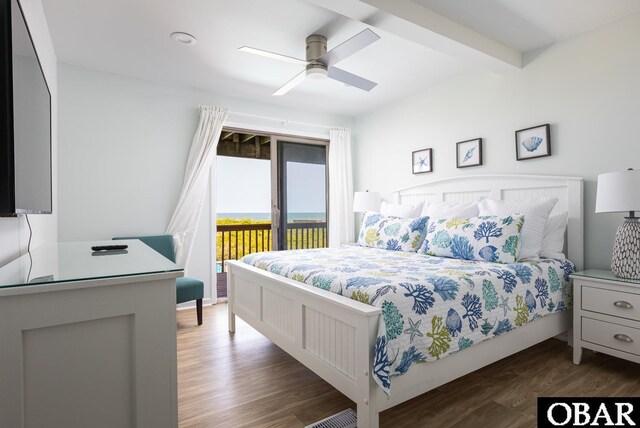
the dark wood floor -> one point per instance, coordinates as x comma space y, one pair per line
243, 380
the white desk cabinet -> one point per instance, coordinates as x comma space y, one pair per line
606, 315
91, 341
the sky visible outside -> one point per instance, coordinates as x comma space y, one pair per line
306, 185
244, 186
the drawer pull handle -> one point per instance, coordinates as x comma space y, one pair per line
623, 338
622, 304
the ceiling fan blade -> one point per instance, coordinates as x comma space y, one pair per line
273, 55
349, 47
351, 79
298, 79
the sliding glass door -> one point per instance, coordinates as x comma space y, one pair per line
301, 206
271, 195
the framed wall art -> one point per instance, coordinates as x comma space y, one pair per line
534, 142
422, 161
469, 153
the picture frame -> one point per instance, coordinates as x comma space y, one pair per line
534, 142
422, 161
469, 153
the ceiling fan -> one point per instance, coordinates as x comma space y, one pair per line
320, 62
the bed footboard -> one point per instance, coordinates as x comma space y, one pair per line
331, 335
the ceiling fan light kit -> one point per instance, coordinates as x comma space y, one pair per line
316, 71
319, 62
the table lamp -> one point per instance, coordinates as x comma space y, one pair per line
366, 201
620, 192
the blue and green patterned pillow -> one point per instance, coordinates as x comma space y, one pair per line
392, 233
489, 238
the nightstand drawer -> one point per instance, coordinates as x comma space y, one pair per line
616, 303
613, 336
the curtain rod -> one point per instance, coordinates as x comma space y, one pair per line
282, 121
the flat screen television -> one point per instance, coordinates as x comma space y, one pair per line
25, 119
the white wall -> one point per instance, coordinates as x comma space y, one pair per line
124, 144
14, 234
587, 88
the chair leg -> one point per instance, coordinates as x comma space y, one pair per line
199, 310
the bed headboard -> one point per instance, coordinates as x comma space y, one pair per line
468, 188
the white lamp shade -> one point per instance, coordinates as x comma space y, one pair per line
618, 192
366, 201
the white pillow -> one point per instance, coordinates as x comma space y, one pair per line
536, 213
400, 210
450, 210
553, 240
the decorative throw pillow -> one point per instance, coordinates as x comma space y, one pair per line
400, 210
553, 240
536, 213
435, 210
490, 238
392, 233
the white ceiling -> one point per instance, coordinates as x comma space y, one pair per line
526, 25
132, 38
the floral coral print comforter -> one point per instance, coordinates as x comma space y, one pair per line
431, 306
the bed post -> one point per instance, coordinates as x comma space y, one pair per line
230, 299
367, 406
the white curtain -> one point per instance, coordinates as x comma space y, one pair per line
185, 218
340, 188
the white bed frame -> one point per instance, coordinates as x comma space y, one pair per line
335, 336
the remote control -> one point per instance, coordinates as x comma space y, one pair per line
109, 247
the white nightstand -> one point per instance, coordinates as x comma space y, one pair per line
606, 315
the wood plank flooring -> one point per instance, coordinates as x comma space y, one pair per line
243, 380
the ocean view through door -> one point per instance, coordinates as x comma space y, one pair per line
271, 195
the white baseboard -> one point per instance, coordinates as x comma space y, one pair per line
192, 304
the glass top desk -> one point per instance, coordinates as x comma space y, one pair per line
89, 339
75, 261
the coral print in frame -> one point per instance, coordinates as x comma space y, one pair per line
534, 142
469, 153
422, 161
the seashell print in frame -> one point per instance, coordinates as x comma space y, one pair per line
469, 153
534, 142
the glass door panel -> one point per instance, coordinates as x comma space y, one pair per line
302, 195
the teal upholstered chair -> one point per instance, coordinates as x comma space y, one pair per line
187, 289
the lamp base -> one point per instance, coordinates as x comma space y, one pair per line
625, 260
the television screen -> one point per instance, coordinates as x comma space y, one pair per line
29, 122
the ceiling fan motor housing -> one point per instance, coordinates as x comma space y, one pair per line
316, 46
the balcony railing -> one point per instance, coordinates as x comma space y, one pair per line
303, 235
235, 241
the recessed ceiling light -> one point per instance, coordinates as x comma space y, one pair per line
183, 38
